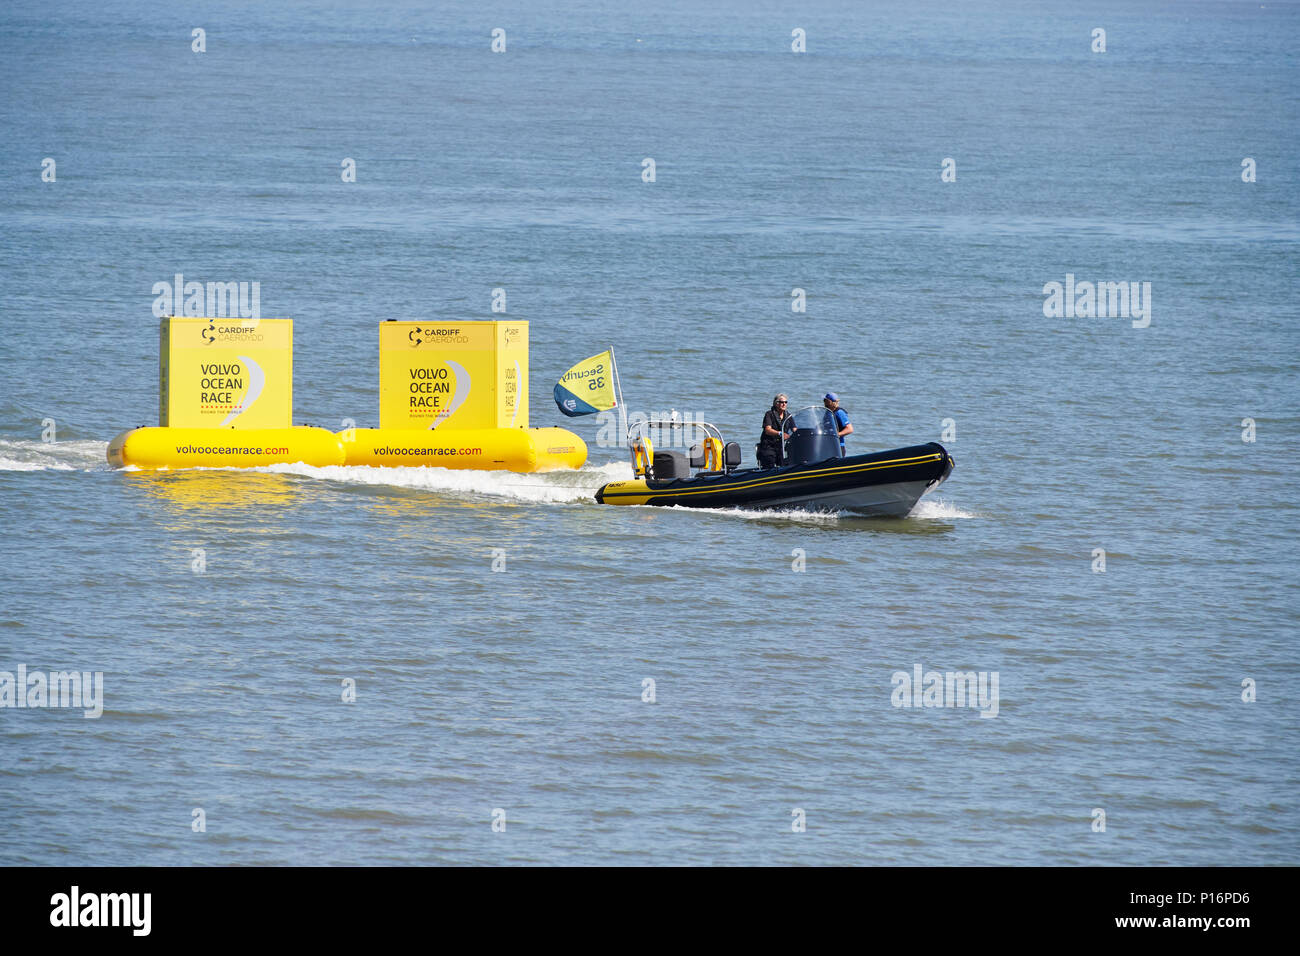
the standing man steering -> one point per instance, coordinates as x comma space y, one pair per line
843, 426
771, 446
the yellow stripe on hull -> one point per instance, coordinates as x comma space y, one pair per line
638, 491
161, 447
626, 492
488, 449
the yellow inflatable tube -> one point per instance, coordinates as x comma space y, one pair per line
489, 449
224, 447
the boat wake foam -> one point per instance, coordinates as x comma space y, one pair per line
549, 487
926, 509
938, 508
53, 456
796, 515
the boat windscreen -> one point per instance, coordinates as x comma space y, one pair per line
816, 419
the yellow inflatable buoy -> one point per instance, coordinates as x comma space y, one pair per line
504, 449
164, 447
487, 449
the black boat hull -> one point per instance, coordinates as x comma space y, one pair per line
884, 483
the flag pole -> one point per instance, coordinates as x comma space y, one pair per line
622, 409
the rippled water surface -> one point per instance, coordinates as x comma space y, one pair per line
523, 690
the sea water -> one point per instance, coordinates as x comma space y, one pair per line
350, 665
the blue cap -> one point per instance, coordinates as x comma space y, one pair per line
831, 397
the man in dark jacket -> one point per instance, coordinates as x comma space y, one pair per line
771, 446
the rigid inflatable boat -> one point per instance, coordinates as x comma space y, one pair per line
817, 478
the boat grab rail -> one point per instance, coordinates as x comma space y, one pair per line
638, 429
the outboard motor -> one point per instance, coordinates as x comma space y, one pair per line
815, 436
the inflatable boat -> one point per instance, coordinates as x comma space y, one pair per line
817, 477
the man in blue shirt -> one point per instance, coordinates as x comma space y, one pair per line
842, 425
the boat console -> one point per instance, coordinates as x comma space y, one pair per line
811, 436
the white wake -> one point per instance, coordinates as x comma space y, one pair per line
551, 486
939, 508
53, 456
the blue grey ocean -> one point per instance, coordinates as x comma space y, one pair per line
1160, 691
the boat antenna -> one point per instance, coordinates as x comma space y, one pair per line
622, 409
